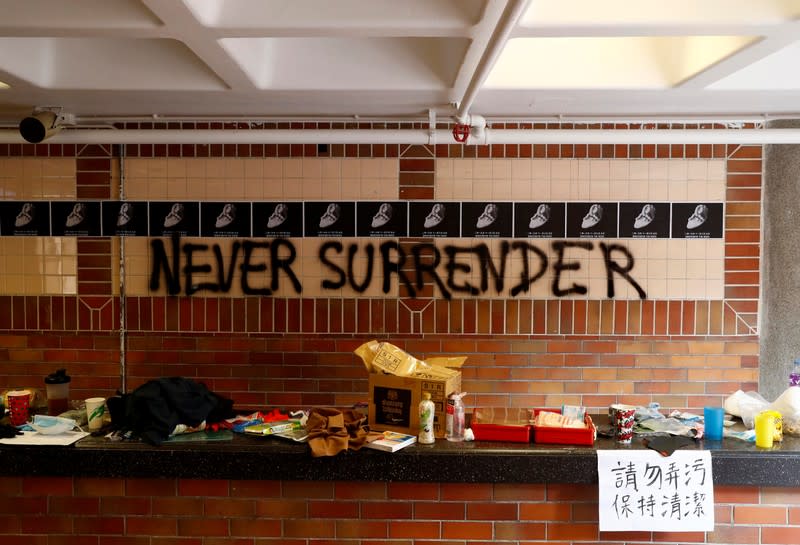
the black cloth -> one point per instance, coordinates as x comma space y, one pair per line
666, 445
153, 409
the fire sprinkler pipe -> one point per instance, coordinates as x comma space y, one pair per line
417, 136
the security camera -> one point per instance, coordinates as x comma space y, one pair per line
38, 126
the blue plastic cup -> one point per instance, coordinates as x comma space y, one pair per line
713, 417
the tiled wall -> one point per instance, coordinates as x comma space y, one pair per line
693, 340
90, 511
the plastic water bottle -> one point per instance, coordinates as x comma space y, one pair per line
426, 410
794, 376
455, 418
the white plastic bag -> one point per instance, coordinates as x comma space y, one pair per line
745, 405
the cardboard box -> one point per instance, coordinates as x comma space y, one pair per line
394, 401
397, 381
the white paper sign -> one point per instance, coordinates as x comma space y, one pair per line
642, 490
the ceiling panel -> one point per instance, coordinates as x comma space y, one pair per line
385, 59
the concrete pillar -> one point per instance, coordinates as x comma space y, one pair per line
780, 277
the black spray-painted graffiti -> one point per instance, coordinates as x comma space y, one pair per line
413, 265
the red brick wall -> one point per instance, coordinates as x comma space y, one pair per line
84, 511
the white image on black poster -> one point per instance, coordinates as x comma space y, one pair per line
330, 219
278, 219
124, 219
640, 490
79, 219
225, 219
25, 218
174, 218
697, 220
592, 220
539, 219
437, 219
382, 219
392, 406
486, 220
644, 220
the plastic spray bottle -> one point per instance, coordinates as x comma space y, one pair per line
426, 410
455, 417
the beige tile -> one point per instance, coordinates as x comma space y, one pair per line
215, 167
312, 168
501, 189
541, 169
350, 189
350, 168
136, 169
292, 190
195, 167
254, 189
12, 167
234, 167
59, 167
600, 169
292, 168
372, 188
482, 190
620, 190
272, 189
312, 189
176, 167
676, 288
521, 169
462, 189
559, 190
234, 189
695, 288
564, 169
177, 188
15, 284
156, 189
658, 191
677, 169
679, 191
658, 170
390, 169
619, 169
331, 168
32, 168
157, 168
482, 169
717, 170
501, 170
444, 169
715, 289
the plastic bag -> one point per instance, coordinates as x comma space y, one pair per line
788, 404
745, 405
52, 425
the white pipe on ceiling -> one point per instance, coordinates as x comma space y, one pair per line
417, 136
497, 42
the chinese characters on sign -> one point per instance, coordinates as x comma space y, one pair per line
642, 490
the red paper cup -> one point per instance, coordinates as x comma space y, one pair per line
19, 403
622, 421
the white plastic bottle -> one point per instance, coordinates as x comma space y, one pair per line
455, 418
426, 413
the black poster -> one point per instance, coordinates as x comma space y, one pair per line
697, 220
78, 219
124, 218
487, 220
25, 218
225, 219
438, 219
392, 406
539, 219
382, 219
278, 219
168, 218
644, 220
592, 220
330, 219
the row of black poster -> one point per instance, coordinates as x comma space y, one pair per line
363, 219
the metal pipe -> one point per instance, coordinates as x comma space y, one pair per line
419, 136
508, 20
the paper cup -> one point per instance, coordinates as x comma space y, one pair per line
95, 411
622, 422
19, 402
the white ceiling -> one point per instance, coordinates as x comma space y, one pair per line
387, 59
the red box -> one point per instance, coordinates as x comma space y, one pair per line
564, 436
501, 424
